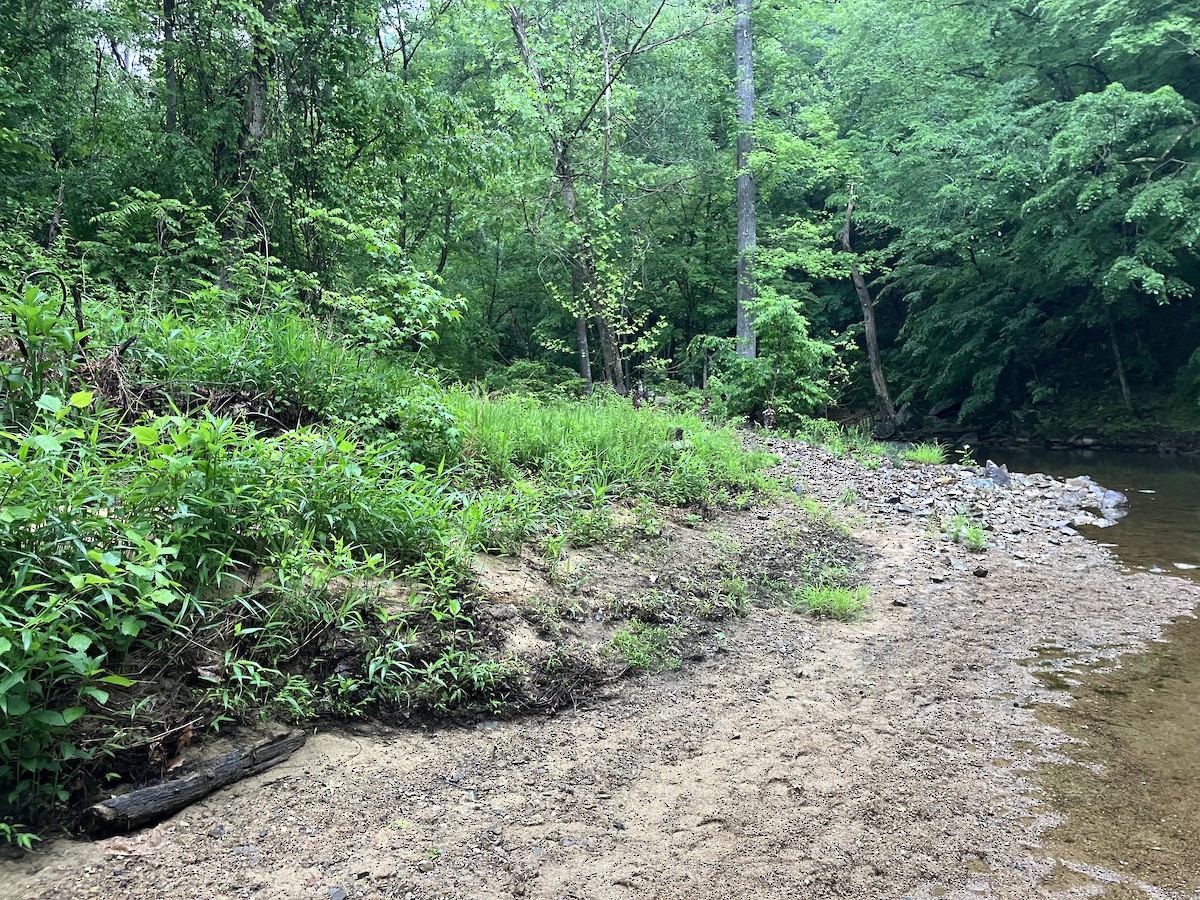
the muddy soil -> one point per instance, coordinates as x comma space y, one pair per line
895, 757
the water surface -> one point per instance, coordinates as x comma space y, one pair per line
1130, 796
1162, 528
1131, 793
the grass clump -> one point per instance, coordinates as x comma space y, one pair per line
962, 530
831, 601
645, 648
933, 454
600, 449
970, 534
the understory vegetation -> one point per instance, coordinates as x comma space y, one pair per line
291, 535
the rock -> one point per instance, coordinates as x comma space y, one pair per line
980, 572
250, 852
336, 893
899, 602
1113, 499
998, 474
937, 578
427, 865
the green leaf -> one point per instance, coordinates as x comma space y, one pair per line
73, 713
14, 706
131, 625
50, 403
15, 513
98, 694
48, 442
81, 399
145, 435
118, 680
50, 717
79, 642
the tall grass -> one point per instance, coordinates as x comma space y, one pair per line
604, 448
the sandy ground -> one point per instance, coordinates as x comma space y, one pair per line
891, 758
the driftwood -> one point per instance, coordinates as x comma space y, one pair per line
149, 804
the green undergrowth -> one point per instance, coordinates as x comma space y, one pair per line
855, 442
185, 554
926, 454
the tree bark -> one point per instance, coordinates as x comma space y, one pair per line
170, 75
581, 330
149, 804
1126, 395
258, 79
747, 238
882, 397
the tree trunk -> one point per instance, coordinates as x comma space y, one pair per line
258, 79
170, 76
581, 330
1116, 350
882, 397
747, 340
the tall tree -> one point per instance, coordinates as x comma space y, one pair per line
743, 52
870, 333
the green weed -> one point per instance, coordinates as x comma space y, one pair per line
925, 454
645, 648
831, 601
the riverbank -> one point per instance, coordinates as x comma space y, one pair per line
891, 757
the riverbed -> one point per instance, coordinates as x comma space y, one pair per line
1127, 788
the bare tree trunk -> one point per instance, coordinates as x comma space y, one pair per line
747, 340
884, 399
170, 75
581, 331
258, 78
1116, 350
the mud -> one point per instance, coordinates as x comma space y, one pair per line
894, 757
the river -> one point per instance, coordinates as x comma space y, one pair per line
1162, 528
1130, 796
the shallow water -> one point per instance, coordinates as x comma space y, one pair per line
1130, 796
1162, 528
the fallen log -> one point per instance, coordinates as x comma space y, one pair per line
157, 801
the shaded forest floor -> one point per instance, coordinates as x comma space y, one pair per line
890, 757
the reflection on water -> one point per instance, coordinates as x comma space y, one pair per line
1132, 793
1163, 526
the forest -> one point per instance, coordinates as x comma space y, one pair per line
328, 290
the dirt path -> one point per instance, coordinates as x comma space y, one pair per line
885, 759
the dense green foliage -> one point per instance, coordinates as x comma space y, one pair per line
296, 572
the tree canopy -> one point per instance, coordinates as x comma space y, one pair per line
479, 184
